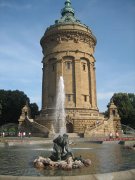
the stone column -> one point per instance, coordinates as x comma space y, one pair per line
78, 87
59, 72
92, 82
95, 93
89, 79
62, 68
45, 86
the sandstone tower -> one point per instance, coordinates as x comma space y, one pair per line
68, 50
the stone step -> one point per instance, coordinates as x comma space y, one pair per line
70, 135
73, 135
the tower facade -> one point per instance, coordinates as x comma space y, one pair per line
68, 51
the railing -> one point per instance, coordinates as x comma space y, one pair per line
112, 139
94, 126
127, 129
36, 124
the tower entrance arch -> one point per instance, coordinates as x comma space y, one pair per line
69, 124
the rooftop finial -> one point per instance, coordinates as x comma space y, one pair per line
67, 9
68, 14
67, 2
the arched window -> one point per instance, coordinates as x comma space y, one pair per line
84, 63
68, 62
69, 127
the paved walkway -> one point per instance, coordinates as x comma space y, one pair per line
20, 141
41, 140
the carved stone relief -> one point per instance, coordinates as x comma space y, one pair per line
71, 35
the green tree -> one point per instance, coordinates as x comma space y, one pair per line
12, 103
125, 103
34, 110
0, 109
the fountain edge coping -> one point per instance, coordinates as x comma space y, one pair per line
120, 175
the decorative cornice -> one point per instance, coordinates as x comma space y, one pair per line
69, 35
71, 51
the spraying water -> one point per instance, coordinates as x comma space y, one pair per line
60, 110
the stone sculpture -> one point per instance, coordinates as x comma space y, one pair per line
61, 157
61, 150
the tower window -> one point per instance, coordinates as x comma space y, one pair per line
68, 65
113, 111
85, 98
84, 67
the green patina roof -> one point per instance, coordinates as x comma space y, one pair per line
68, 14
67, 10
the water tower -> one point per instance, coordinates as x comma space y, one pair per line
68, 49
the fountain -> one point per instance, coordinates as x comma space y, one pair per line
60, 126
61, 157
16, 159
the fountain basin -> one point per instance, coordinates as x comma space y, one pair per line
124, 175
106, 158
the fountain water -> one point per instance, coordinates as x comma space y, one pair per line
60, 110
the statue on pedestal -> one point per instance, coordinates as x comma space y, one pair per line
61, 157
60, 147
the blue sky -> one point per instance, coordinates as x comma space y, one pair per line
23, 23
